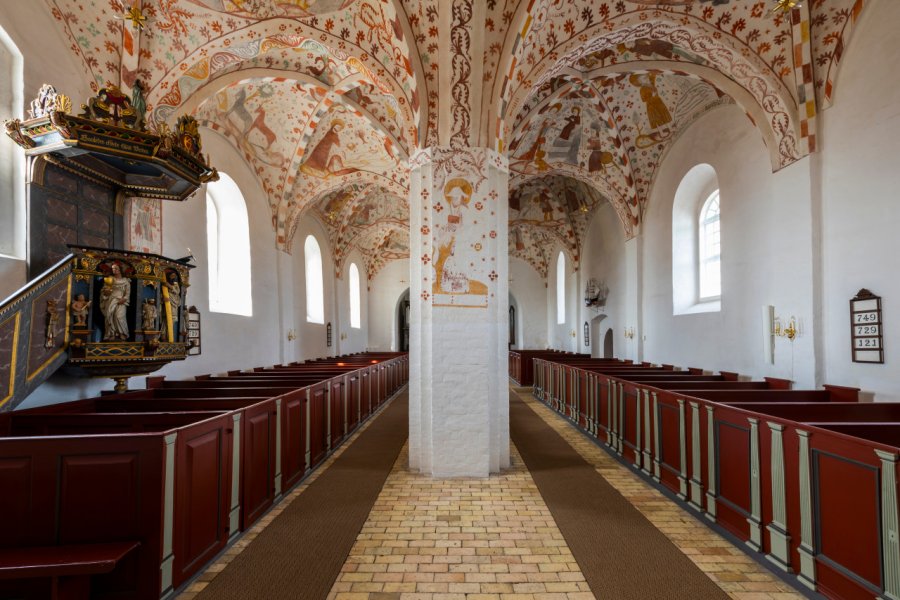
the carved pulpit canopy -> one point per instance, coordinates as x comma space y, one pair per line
110, 143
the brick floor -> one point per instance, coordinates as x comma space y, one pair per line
440, 539
495, 539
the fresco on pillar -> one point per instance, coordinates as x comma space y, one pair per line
459, 278
252, 114
365, 217
459, 220
143, 225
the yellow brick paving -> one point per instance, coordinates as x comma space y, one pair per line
735, 572
458, 539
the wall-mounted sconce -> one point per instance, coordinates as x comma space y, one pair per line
790, 332
572, 333
291, 335
772, 328
629, 332
343, 336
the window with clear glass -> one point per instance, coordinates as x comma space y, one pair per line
710, 249
354, 297
228, 248
12, 159
561, 289
315, 286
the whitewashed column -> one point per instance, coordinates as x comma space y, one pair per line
459, 274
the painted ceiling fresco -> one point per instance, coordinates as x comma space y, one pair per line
547, 213
367, 218
327, 100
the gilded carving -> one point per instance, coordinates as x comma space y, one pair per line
79, 309
52, 324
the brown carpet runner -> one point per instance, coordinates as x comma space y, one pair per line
621, 554
300, 554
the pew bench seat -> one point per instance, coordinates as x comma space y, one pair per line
68, 567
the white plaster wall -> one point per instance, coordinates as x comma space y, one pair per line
229, 341
860, 138
12, 276
311, 337
356, 340
766, 256
384, 292
603, 257
530, 292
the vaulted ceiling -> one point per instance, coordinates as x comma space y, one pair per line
326, 100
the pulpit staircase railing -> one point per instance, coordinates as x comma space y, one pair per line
96, 313
34, 332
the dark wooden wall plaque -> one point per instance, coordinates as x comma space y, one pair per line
866, 329
194, 339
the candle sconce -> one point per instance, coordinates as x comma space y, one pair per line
629, 332
291, 335
790, 331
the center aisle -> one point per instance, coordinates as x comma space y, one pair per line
301, 552
621, 553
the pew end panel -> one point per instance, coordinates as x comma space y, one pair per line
203, 476
66, 491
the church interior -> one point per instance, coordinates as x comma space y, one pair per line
427, 299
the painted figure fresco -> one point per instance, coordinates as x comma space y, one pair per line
451, 274
325, 158
657, 113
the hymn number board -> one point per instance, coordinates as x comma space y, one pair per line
193, 331
866, 328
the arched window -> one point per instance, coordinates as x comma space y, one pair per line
696, 239
315, 286
12, 159
354, 297
561, 289
710, 267
228, 246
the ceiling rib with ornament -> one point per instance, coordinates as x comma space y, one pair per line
327, 99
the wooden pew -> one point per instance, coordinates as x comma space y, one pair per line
253, 420
71, 490
59, 572
806, 477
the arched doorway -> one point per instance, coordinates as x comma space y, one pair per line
608, 345
403, 322
513, 323
596, 348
